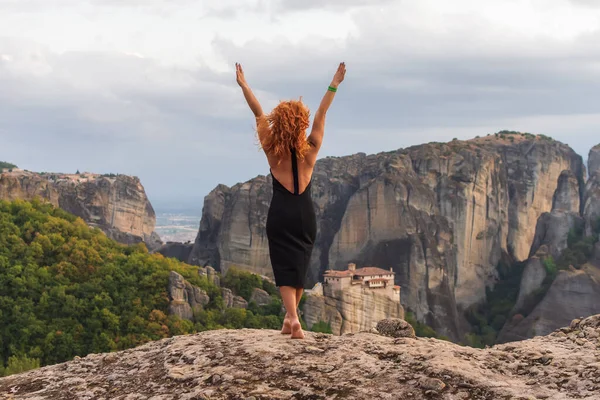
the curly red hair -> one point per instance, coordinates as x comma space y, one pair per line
285, 128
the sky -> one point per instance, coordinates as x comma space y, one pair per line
147, 87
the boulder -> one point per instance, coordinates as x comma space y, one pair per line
260, 297
396, 328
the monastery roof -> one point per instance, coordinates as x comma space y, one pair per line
338, 274
370, 271
366, 271
396, 287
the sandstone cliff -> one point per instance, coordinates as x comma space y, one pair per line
441, 215
118, 205
350, 311
185, 298
263, 364
573, 293
591, 199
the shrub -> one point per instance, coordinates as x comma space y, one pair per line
17, 365
322, 327
4, 164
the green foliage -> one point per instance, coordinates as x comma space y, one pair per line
4, 164
487, 319
111, 175
68, 290
322, 327
580, 248
421, 329
16, 365
243, 283
550, 266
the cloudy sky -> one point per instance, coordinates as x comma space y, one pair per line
147, 87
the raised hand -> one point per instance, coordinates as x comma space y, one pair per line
239, 75
339, 75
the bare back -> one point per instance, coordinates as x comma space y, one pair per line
282, 171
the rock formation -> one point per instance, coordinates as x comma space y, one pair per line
591, 199
441, 215
532, 279
263, 364
118, 205
185, 298
350, 311
232, 301
179, 251
573, 292
260, 297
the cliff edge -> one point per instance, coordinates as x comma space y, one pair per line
117, 204
263, 364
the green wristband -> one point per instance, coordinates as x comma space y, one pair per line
332, 89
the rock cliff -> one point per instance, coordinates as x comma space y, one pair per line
185, 298
441, 215
263, 364
118, 205
573, 292
591, 199
350, 311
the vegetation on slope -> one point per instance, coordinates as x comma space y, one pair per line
4, 164
67, 290
488, 318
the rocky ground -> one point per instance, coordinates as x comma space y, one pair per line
262, 364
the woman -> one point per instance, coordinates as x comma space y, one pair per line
291, 222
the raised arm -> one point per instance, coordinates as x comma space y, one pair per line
318, 128
250, 98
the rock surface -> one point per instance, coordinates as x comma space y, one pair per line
533, 277
118, 205
395, 327
179, 251
349, 312
260, 297
573, 292
232, 301
184, 297
263, 364
591, 198
422, 211
552, 230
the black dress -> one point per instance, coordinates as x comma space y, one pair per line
291, 230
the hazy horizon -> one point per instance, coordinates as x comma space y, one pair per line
147, 88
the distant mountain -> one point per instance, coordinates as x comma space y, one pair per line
117, 204
453, 220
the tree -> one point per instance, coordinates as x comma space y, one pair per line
323, 327
9, 166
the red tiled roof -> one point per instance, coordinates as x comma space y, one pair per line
370, 271
337, 274
396, 287
378, 280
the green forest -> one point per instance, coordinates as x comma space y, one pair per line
4, 164
67, 290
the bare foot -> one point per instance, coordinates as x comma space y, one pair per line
297, 332
287, 326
